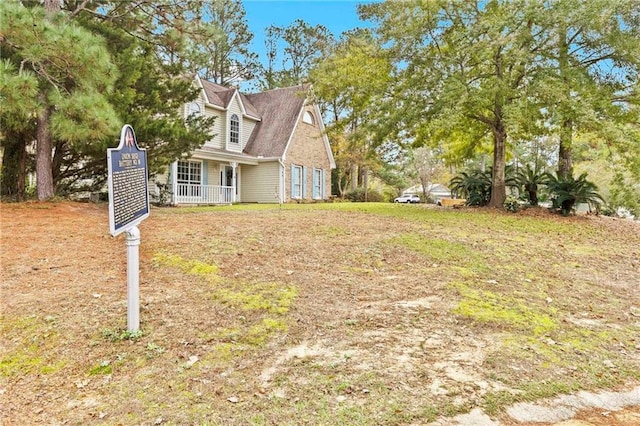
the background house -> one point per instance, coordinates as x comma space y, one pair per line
435, 190
267, 147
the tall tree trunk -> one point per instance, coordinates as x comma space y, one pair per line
44, 169
365, 183
498, 188
44, 142
14, 164
565, 163
354, 177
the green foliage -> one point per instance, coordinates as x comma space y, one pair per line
475, 185
104, 368
511, 75
220, 44
360, 196
64, 74
438, 250
164, 194
625, 191
121, 335
511, 204
394, 179
304, 45
568, 191
100, 64
346, 85
530, 179
490, 307
267, 297
193, 267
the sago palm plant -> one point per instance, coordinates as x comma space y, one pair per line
475, 185
530, 179
568, 191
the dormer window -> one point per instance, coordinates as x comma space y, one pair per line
194, 109
234, 129
308, 118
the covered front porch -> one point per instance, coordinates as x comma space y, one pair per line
204, 181
187, 193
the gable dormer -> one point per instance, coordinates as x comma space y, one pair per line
234, 134
236, 117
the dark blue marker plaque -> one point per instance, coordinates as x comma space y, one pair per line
128, 185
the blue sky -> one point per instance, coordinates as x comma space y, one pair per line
337, 15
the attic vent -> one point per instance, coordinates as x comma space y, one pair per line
308, 118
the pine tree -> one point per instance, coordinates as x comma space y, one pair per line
71, 71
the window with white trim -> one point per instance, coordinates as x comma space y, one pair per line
308, 118
189, 177
234, 129
194, 109
317, 184
296, 182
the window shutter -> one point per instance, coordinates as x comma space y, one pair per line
322, 184
292, 180
205, 174
304, 182
314, 184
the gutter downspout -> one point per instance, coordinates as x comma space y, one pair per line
281, 178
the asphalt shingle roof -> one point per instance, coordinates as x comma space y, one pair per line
216, 94
279, 110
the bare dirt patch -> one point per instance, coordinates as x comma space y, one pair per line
311, 314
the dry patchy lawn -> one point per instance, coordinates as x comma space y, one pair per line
312, 314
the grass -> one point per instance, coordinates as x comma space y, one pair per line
324, 313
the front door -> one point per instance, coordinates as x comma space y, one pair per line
226, 179
228, 176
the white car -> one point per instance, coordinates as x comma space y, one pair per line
407, 199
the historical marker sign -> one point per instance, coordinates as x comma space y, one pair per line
128, 186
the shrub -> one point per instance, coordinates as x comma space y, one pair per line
164, 194
511, 204
529, 179
568, 191
475, 185
358, 195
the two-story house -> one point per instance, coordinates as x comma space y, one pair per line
267, 147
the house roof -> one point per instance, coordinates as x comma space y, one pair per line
248, 106
279, 110
216, 94
221, 96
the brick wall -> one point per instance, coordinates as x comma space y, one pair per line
307, 149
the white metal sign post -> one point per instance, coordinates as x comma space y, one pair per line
128, 206
133, 278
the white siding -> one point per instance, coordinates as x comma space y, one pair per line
218, 129
161, 178
212, 173
260, 183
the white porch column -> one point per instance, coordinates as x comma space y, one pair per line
174, 183
233, 165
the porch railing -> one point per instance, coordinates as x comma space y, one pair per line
203, 194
